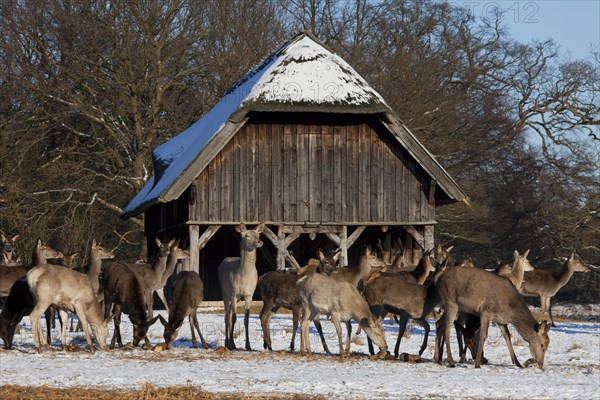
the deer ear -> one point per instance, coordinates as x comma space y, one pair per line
337, 254
321, 255
260, 228
449, 249
241, 228
516, 254
171, 243
526, 253
15, 237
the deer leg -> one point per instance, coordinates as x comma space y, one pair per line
483, 331
195, 321
86, 328
161, 295
439, 339
265, 318
247, 322
506, 335
150, 304
548, 301
117, 322
423, 322
338, 329
230, 323
38, 336
349, 329
401, 328
450, 316
191, 321
319, 327
48, 317
304, 330
295, 318
63, 316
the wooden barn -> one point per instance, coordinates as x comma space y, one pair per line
305, 145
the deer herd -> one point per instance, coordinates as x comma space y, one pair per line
407, 285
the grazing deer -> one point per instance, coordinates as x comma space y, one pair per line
124, 289
175, 254
8, 248
321, 294
392, 293
151, 275
494, 299
546, 284
278, 289
467, 325
66, 289
188, 292
238, 277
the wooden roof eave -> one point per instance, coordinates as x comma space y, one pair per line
423, 157
202, 159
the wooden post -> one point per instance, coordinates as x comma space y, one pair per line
344, 246
280, 248
194, 264
428, 237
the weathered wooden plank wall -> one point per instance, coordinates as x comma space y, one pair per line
342, 169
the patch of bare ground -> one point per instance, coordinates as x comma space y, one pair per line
147, 392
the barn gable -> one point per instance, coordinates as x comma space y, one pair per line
301, 76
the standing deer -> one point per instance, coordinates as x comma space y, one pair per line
152, 274
188, 292
238, 277
278, 289
322, 294
97, 254
493, 299
66, 289
546, 284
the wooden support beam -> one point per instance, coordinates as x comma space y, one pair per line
194, 263
416, 235
281, 242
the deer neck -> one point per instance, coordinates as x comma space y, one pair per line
518, 274
160, 264
248, 260
524, 322
95, 267
171, 264
427, 269
565, 274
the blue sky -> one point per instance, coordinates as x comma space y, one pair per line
574, 25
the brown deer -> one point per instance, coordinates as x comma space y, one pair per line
321, 294
546, 284
125, 290
175, 254
67, 290
467, 325
392, 293
151, 275
8, 248
493, 299
238, 277
355, 274
278, 289
188, 292
9, 275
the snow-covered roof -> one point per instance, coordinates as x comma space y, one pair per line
301, 76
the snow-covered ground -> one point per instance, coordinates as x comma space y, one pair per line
571, 371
